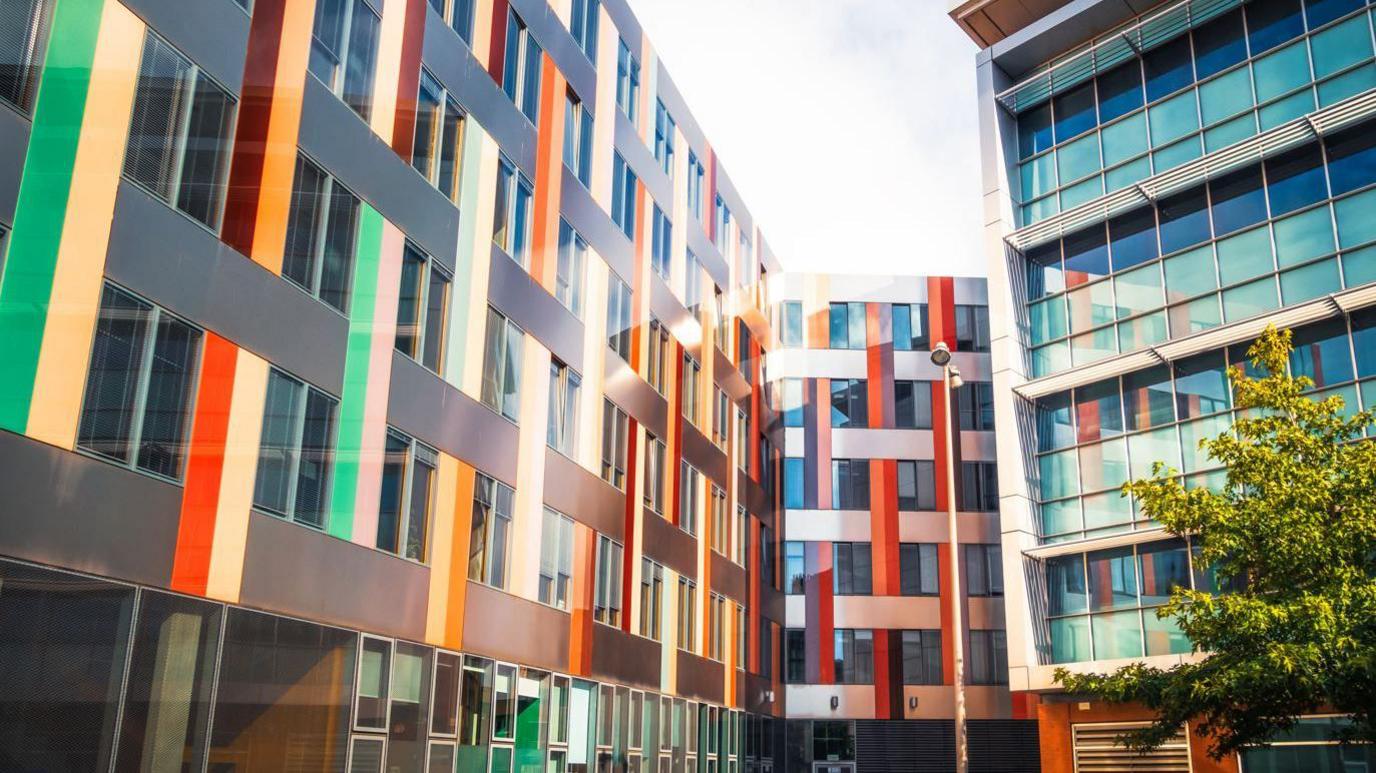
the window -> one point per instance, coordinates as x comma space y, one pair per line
742, 439
979, 485
854, 656
619, 316
578, 137
922, 657
983, 570
556, 559
767, 557
438, 145
972, 328
916, 485
344, 50
296, 455
847, 323
651, 598
628, 82
512, 212
692, 285
721, 218
742, 553
988, 657
687, 614
792, 327
849, 401
655, 454
791, 401
719, 316
459, 17
661, 242
322, 227
623, 196
795, 656
408, 481
721, 417
912, 404
976, 400
583, 26
606, 604
767, 648
562, 432
568, 277
657, 364
502, 365
696, 175
910, 327
852, 569
716, 624
795, 571
139, 388
422, 308
793, 482
690, 481
614, 429
490, 530
918, 570
691, 400
24, 36
742, 637
664, 138
179, 137
521, 67
721, 529
850, 484
744, 360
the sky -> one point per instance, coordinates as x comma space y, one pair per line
848, 126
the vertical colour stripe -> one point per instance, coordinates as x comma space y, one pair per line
236, 478
458, 568
74, 301
357, 359
580, 601
42, 202
204, 465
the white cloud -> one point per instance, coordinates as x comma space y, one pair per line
848, 126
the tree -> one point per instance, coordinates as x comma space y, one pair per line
1292, 537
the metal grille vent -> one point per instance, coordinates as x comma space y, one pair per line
1097, 751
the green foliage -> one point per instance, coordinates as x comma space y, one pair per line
1292, 536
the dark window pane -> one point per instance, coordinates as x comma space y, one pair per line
1120, 91
299, 674
358, 70
1168, 68
1219, 44
313, 478
1184, 220
393, 484
1322, 353
206, 156
1295, 179
1086, 256
23, 35
1133, 238
1272, 22
1034, 130
337, 272
1074, 111
436, 322
1321, 12
107, 416
166, 709
1044, 275
277, 457
1351, 158
408, 302
1147, 398
150, 154
303, 223
1201, 385
1238, 200
171, 377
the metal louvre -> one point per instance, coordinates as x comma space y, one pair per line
1097, 751
1265, 145
1077, 67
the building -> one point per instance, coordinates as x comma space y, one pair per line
868, 650
1161, 181
382, 390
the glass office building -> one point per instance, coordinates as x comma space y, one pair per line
1162, 181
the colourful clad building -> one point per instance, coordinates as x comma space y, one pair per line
869, 617
1161, 181
382, 389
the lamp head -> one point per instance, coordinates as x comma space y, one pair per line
941, 354
956, 380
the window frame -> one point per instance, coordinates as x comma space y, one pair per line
620, 429
522, 49
561, 429
335, 84
664, 139
324, 216
628, 82
489, 534
512, 222
300, 401
429, 269
446, 104
496, 400
415, 450
651, 595
560, 583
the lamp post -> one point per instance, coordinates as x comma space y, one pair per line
950, 377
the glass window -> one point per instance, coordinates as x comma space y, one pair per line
655, 472
687, 614
556, 559
979, 486
561, 431
1126, 138
1300, 238
179, 138
1074, 111
1272, 22
623, 195
922, 657
849, 401
512, 212
916, 485
138, 394
793, 483
619, 316
607, 591
1219, 44
912, 404
23, 38
988, 657
852, 569
1112, 579
792, 328
583, 21
1201, 385
1034, 130
1120, 91
578, 137
1168, 68
422, 308
297, 451
664, 138
847, 322
854, 656
1053, 422
1133, 238
322, 226
502, 360
972, 328
1065, 585
1322, 353
689, 499
615, 425
408, 476
1295, 179
438, 145
490, 531
661, 238
850, 484
521, 67
628, 82
343, 55
651, 598
572, 261
918, 569
976, 401
475, 713
1351, 159
910, 331
1086, 256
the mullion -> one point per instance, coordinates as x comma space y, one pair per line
141, 390
298, 433
183, 130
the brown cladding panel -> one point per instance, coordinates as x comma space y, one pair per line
624, 658
305, 573
637, 398
700, 678
584, 497
700, 453
461, 427
670, 545
508, 627
76, 512
519, 296
728, 578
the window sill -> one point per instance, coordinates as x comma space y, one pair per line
130, 467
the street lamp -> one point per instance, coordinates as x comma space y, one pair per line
950, 376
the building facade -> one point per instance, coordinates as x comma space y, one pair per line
382, 390
868, 652
1161, 181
